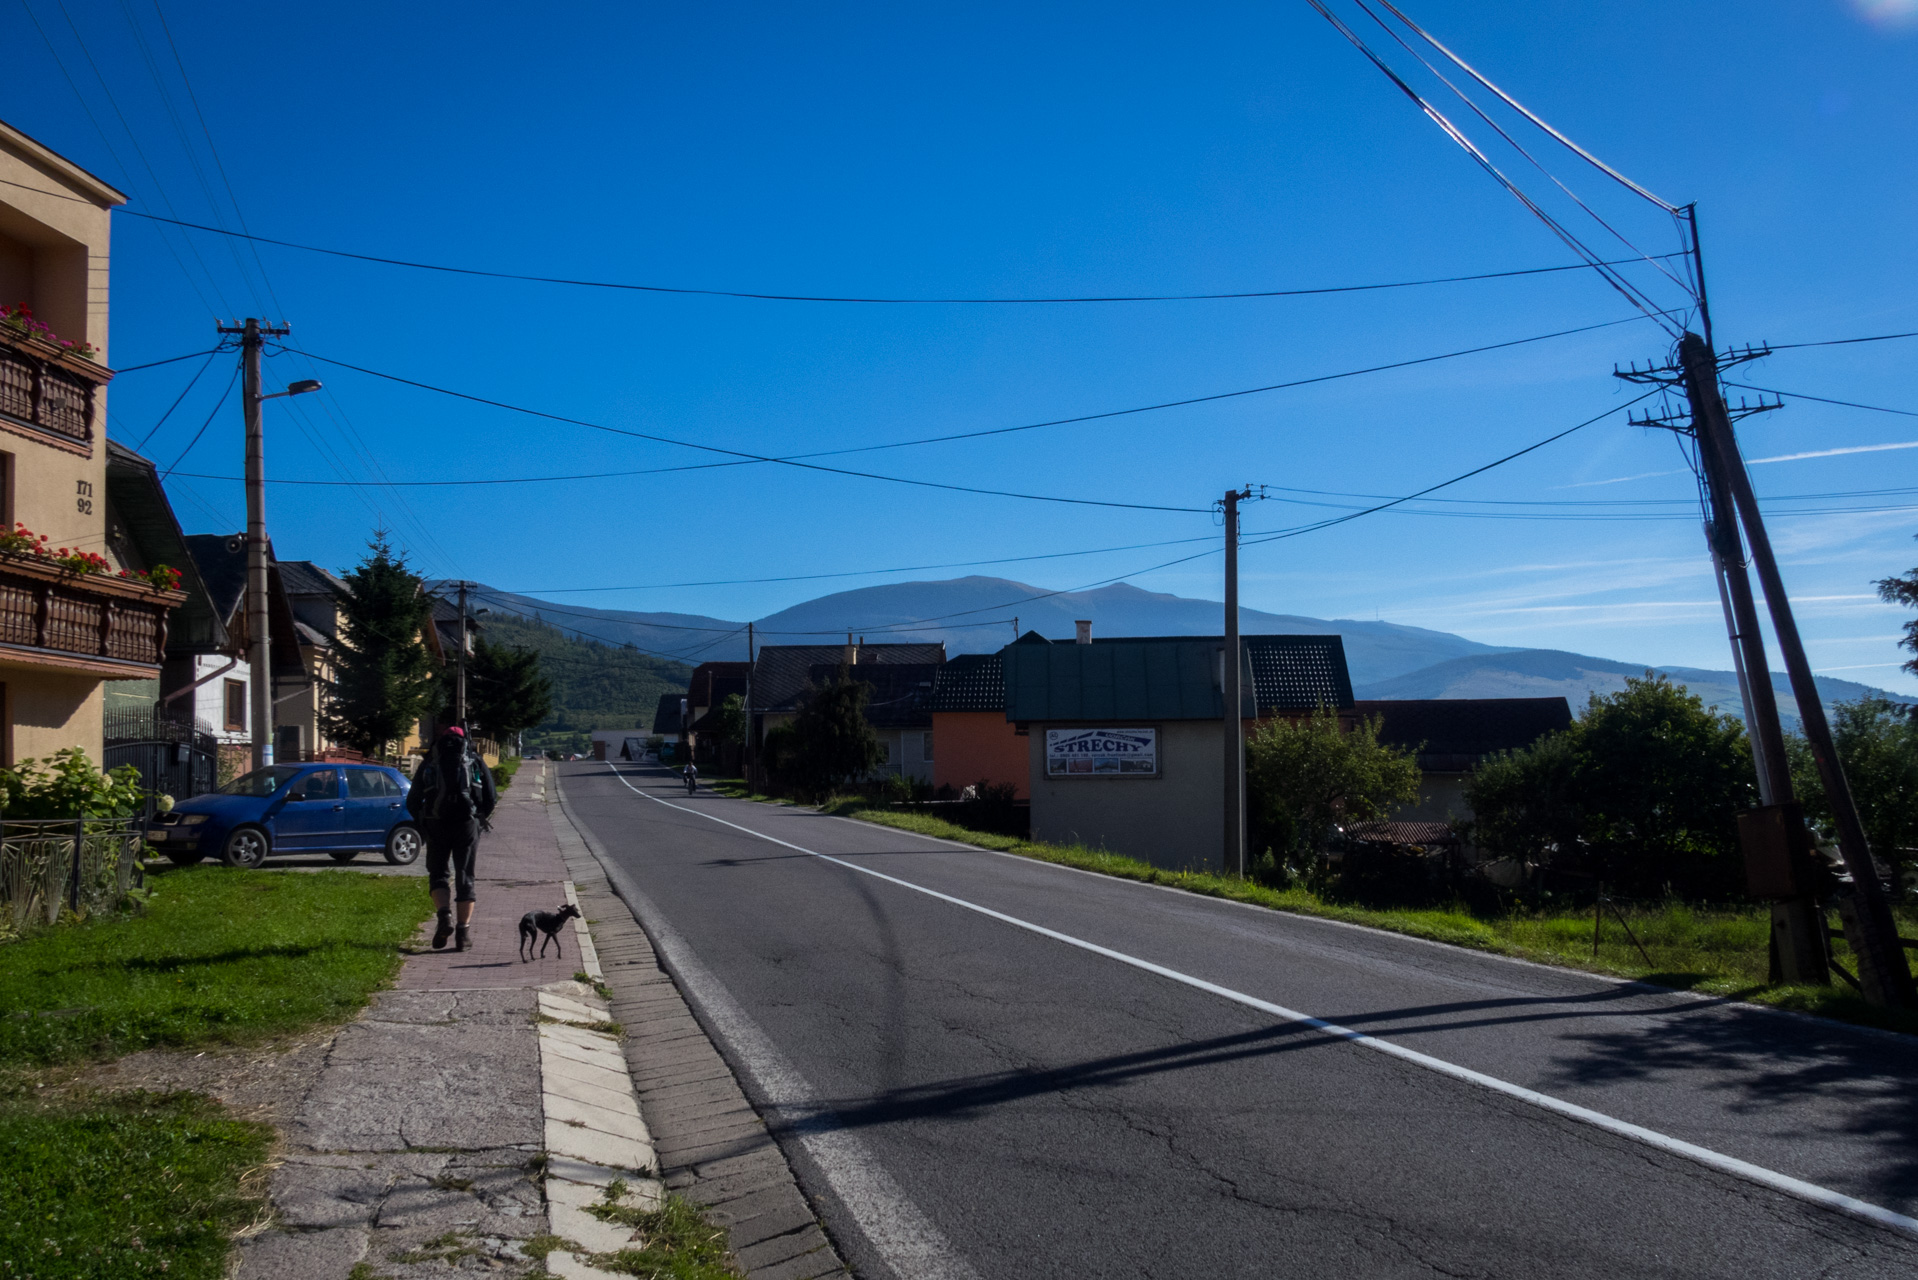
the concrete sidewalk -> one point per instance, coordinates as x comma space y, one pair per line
477, 1106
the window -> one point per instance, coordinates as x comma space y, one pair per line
321, 784
929, 746
236, 706
260, 783
369, 784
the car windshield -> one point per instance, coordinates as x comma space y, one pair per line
261, 782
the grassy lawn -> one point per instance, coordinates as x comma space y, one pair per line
123, 1185
217, 956
133, 1184
1721, 952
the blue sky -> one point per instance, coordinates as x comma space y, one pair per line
1013, 150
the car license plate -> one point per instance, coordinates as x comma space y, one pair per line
156, 836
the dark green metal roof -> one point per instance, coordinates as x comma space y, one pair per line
1171, 678
1117, 680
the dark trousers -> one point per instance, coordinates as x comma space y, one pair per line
450, 853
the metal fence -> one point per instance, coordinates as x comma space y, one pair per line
66, 864
175, 756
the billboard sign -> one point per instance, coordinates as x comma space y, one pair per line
1102, 753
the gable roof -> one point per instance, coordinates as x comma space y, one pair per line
1169, 678
713, 682
139, 502
221, 560
901, 691
783, 670
971, 682
1452, 735
304, 578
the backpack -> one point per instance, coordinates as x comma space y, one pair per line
451, 797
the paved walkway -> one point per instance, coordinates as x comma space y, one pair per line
484, 1103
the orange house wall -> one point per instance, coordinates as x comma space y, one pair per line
970, 745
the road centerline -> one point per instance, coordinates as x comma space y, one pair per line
1798, 1188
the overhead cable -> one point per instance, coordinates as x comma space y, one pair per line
756, 296
1624, 287
800, 459
1799, 395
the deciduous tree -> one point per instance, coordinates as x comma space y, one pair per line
505, 690
831, 741
1306, 777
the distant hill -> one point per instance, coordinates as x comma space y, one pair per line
1540, 673
595, 686
974, 615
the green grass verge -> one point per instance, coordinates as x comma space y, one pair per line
503, 771
217, 956
675, 1241
1720, 952
133, 1184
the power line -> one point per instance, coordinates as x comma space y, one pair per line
217, 406
748, 459
1799, 395
211, 356
1624, 287
154, 364
756, 457
876, 301
1837, 342
1254, 539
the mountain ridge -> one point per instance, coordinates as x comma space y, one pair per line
975, 614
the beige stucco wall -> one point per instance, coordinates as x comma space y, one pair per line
49, 711
55, 238
1172, 821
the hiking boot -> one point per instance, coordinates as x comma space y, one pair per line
444, 931
460, 941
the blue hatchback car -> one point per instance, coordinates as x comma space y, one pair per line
341, 810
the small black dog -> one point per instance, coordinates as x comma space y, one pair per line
534, 923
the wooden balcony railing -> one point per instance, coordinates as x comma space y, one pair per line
44, 387
51, 617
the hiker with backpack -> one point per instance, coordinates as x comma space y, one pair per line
451, 798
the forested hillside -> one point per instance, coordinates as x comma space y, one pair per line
595, 686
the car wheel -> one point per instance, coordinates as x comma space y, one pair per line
246, 848
403, 844
183, 857
343, 855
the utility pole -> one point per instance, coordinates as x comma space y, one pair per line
259, 654
1797, 934
1873, 934
1232, 694
1798, 928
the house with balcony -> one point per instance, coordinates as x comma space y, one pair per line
72, 624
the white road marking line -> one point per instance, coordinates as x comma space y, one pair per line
898, 1230
1809, 1191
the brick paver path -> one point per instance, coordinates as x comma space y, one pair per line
519, 870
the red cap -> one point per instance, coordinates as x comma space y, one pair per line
456, 731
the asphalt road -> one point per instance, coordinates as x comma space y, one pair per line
964, 1095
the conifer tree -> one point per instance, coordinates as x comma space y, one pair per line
505, 691
831, 739
383, 676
